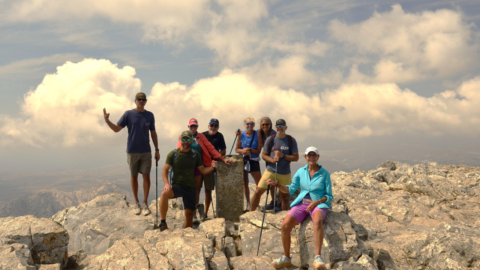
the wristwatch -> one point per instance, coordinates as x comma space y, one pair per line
157, 150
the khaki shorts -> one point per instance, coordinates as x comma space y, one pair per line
283, 179
139, 163
208, 181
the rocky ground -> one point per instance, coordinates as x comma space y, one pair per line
398, 216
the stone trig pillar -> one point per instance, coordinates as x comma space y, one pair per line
230, 189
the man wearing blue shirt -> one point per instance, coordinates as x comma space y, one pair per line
138, 122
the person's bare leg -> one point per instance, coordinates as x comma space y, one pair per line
284, 198
208, 199
256, 177
188, 218
146, 187
134, 183
256, 198
198, 188
166, 195
287, 225
318, 231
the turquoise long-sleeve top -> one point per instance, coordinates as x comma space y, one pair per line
318, 187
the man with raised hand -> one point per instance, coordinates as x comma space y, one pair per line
183, 160
279, 150
139, 154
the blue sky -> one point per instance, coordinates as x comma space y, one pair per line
340, 72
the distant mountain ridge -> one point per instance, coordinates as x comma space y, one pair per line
45, 203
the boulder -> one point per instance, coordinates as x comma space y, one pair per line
34, 240
213, 228
229, 195
95, 225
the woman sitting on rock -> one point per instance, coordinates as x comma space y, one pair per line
313, 200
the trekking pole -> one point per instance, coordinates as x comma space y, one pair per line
216, 198
234, 142
156, 196
263, 220
275, 192
248, 186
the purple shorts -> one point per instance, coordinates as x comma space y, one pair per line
197, 172
299, 212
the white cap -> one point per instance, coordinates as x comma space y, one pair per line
311, 149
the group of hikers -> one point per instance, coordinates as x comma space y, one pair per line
196, 156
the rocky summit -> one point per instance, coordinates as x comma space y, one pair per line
398, 216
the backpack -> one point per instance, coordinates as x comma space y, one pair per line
272, 138
175, 154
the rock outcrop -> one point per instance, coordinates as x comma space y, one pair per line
28, 241
397, 216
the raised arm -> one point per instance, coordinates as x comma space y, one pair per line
115, 128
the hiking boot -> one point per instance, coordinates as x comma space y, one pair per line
201, 212
137, 209
145, 210
283, 261
318, 262
278, 207
163, 227
269, 206
195, 219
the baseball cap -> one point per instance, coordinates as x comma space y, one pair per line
311, 149
214, 121
187, 134
140, 94
192, 121
281, 122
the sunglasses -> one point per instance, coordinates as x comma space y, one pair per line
312, 155
195, 126
265, 124
141, 99
186, 139
280, 126
214, 126
250, 124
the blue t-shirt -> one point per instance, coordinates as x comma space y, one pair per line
282, 146
247, 142
138, 125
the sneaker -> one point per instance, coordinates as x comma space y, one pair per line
137, 209
195, 219
163, 227
318, 263
269, 206
201, 211
283, 261
145, 210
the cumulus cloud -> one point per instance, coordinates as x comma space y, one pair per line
411, 46
66, 108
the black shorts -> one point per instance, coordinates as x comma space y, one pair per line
188, 195
254, 165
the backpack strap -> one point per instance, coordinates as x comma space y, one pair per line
290, 143
270, 144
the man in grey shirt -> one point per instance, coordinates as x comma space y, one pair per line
279, 150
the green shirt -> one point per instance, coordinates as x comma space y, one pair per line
195, 146
185, 164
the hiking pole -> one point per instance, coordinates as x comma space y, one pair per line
155, 226
216, 198
234, 142
275, 192
248, 186
263, 220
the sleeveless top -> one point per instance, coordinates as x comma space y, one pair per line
245, 142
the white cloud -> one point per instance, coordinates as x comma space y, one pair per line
412, 46
66, 108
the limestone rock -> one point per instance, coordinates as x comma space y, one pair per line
219, 262
45, 240
213, 228
251, 263
16, 256
94, 226
124, 254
